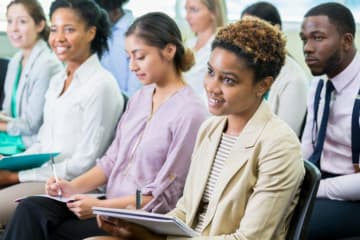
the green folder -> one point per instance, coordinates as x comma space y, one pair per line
26, 161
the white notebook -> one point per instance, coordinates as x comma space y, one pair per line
158, 223
61, 199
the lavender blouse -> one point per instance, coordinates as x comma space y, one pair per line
153, 154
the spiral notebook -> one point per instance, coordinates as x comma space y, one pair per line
158, 223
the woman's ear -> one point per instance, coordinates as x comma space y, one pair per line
169, 52
40, 27
263, 86
91, 33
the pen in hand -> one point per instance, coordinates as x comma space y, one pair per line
55, 176
138, 198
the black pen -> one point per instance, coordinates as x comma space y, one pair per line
138, 199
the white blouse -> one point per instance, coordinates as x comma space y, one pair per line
79, 124
195, 76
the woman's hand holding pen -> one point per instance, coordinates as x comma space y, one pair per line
53, 186
82, 205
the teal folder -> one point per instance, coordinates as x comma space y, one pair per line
22, 162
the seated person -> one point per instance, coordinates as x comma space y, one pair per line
152, 148
82, 105
331, 135
28, 76
288, 94
115, 59
246, 169
203, 17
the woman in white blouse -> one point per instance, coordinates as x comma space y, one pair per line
82, 105
204, 17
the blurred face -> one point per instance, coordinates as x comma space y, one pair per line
147, 62
230, 86
21, 28
70, 37
198, 16
322, 46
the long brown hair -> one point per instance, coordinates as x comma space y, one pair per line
36, 12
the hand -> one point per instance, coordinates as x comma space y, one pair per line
82, 205
52, 187
126, 230
3, 126
8, 178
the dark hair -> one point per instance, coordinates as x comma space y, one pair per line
92, 15
256, 41
36, 12
338, 14
158, 30
111, 4
265, 11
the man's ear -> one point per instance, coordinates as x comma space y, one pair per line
348, 41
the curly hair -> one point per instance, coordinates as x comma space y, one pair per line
256, 41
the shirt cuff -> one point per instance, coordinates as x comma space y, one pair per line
27, 175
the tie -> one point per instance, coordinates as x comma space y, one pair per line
315, 156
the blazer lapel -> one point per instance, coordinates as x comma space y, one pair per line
38, 48
205, 160
239, 155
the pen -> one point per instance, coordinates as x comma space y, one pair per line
55, 176
138, 198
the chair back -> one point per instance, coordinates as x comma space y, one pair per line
299, 224
3, 69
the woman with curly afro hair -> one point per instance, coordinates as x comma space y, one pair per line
246, 168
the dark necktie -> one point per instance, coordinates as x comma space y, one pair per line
315, 156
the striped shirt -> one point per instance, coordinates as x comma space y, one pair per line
223, 151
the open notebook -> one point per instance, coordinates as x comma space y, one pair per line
62, 199
25, 161
158, 223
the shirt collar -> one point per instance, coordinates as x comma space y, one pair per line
87, 69
341, 80
124, 21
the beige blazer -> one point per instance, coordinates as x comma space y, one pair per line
258, 189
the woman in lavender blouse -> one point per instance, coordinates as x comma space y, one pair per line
152, 148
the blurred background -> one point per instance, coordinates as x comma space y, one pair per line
291, 13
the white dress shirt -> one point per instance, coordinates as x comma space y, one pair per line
288, 94
336, 156
79, 124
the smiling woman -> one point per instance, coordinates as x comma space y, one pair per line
245, 158
82, 103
